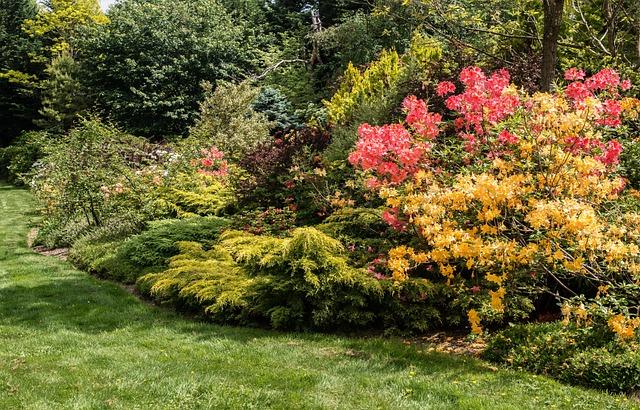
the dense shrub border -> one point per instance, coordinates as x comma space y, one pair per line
589, 357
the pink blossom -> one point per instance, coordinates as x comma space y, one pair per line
484, 101
505, 137
574, 74
605, 79
420, 119
445, 87
611, 111
472, 76
391, 217
390, 151
577, 91
611, 154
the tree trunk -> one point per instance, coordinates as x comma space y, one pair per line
610, 17
638, 50
552, 23
316, 26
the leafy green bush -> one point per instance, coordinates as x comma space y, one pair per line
17, 160
59, 232
156, 245
416, 306
126, 258
270, 221
84, 174
630, 162
615, 371
228, 120
587, 356
302, 281
191, 195
146, 66
210, 281
362, 231
277, 109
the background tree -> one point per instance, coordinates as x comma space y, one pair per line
63, 94
608, 32
60, 22
57, 25
18, 96
146, 66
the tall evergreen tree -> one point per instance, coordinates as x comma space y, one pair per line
63, 96
18, 93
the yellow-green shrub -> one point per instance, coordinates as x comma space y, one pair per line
302, 281
298, 282
382, 82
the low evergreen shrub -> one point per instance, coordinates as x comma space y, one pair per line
303, 281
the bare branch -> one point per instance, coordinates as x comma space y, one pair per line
276, 66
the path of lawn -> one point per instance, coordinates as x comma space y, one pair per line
68, 340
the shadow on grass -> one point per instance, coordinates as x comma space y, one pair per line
86, 305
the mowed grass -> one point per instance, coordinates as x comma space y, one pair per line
68, 340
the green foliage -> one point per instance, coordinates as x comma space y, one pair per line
60, 22
362, 231
229, 121
17, 160
297, 282
63, 96
84, 176
147, 65
277, 108
158, 243
615, 371
207, 279
355, 222
587, 356
370, 86
60, 232
630, 162
358, 38
417, 306
607, 33
18, 96
271, 221
118, 255
192, 195
302, 281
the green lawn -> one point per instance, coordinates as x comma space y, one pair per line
68, 340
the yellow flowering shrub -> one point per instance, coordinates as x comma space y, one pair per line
530, 207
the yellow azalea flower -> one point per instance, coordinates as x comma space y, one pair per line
474, 321
496, 299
